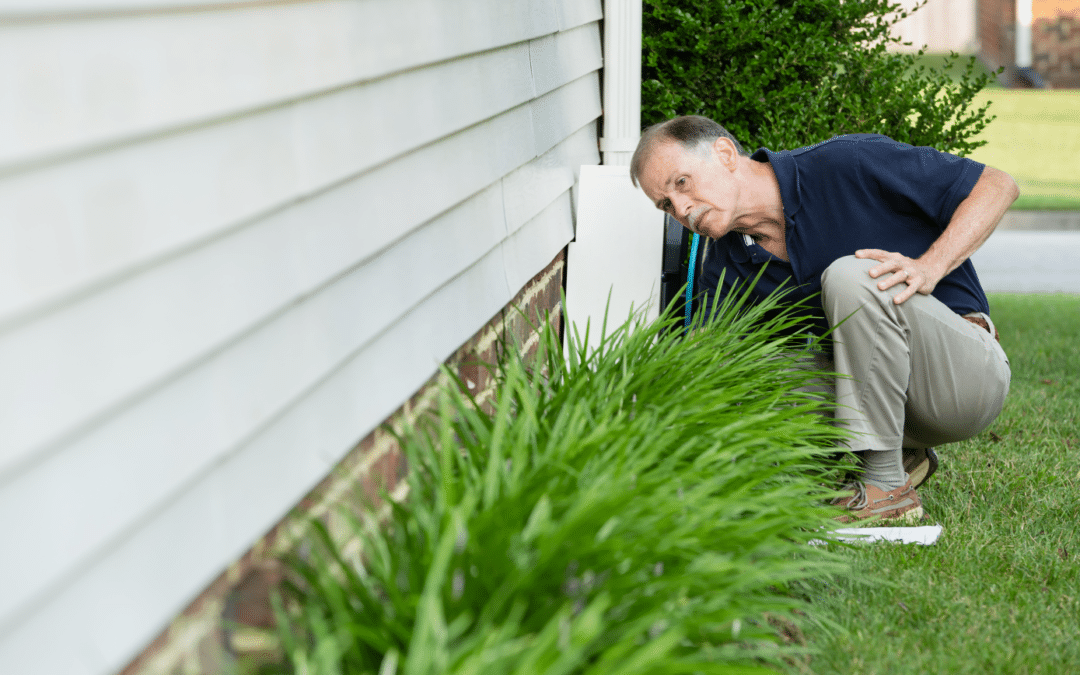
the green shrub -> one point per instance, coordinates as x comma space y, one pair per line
644, 508
788, 73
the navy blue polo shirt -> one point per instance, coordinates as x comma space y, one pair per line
845, 194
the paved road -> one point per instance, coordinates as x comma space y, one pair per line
1032, 252
1043, 221
1030, 262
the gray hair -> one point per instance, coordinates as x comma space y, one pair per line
690, 132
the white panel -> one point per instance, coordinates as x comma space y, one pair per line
65, 227
562, 57
78, 83
155, 571
558, 114
619, 246
62, 370
573, 13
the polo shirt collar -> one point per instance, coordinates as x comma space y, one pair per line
787, 175
737, 249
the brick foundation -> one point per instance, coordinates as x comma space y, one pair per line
230, 619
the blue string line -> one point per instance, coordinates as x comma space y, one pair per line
690, 282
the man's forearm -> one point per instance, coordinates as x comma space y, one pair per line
972, 222
975, 218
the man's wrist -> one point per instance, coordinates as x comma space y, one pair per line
935, 265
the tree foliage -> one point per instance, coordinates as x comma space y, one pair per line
788, 73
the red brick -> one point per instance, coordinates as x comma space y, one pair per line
382, 476
1056, 46
249, 602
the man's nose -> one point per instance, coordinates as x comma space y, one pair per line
682, 205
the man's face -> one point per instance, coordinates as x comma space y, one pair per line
696, 186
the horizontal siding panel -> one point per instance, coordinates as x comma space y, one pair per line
573, 13
152, 574
73, 225
56, 372
540, 12
58, 10
529, 189
79, 84
564, 57
187, 431
535, 244
559, 113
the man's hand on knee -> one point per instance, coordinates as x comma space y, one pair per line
919, 276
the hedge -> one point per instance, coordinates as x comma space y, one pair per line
788, 73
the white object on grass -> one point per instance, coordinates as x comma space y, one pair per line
926, 535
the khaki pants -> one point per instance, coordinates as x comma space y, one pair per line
919, 374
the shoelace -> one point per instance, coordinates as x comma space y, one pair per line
860, 500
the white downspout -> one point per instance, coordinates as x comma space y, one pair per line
622, 80
1023, 34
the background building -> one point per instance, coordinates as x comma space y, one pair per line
943, 26
1049, 30
1048, 45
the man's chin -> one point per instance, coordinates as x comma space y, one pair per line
698, 226
715, 231
709, 230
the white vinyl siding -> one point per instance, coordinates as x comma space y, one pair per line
233, 239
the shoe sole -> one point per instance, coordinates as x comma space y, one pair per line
921, 471
907, 518
912, 516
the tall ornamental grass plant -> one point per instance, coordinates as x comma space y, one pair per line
642, 508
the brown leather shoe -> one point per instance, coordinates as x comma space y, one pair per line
869, 501
920, 464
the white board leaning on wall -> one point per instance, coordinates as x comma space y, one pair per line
617, 250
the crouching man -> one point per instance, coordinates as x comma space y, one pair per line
883, 232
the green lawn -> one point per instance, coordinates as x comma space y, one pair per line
1000, 592
1035, 138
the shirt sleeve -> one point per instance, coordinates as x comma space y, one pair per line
917, 180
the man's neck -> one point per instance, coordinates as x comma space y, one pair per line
761, 209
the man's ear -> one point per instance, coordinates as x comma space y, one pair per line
726, 151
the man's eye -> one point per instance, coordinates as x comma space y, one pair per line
681, 182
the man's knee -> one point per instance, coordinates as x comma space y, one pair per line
848, 272
849, 278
